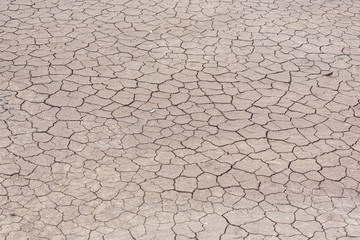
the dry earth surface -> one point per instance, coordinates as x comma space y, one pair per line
179, 119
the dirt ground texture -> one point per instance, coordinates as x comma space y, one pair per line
179, 119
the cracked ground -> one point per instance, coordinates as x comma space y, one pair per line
179, 119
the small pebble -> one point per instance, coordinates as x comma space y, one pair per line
60, 185
328, 74
12, 213
152, 110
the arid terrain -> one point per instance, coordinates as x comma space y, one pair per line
179, 119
